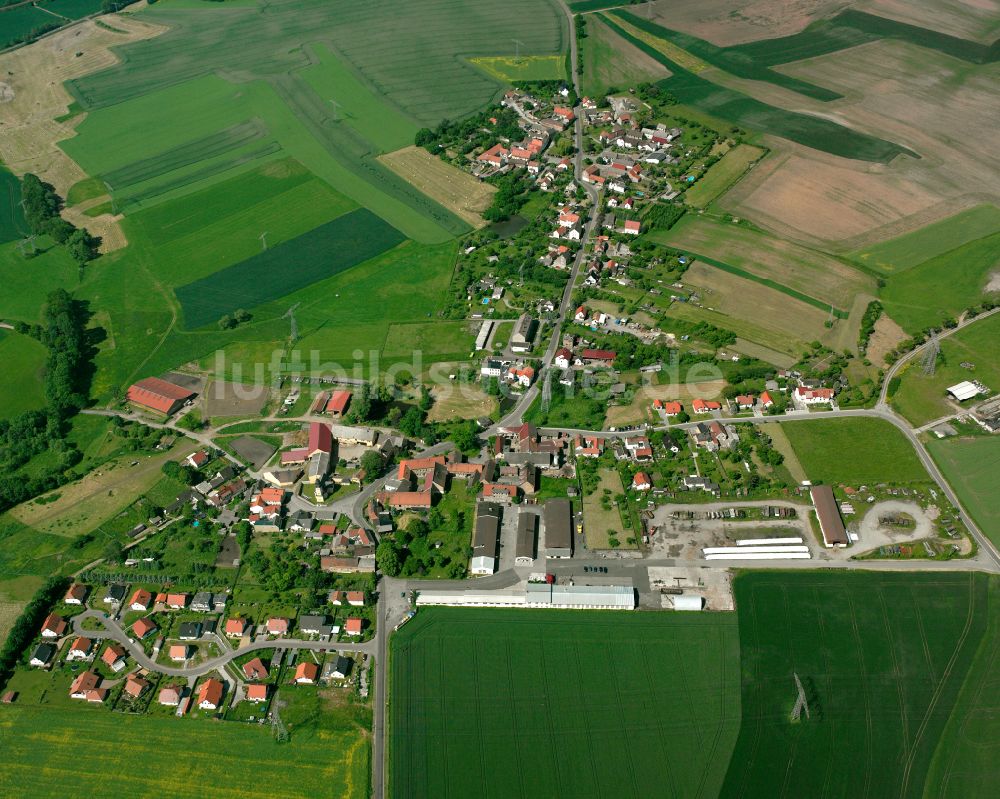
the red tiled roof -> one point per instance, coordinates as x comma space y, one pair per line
157, 394
320, 438
210, 691
338, 402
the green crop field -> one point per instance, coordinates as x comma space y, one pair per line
883, 658
972, 467
854, 451
741, 109
16, 23
321, 253
24, 361
162, 756
723, 174
966, 757
610, 61
930, 241
921, 398
944, 286
11, 215
562, 703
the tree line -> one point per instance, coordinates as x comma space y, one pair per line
27, 624
67, 375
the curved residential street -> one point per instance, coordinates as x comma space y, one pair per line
114, 632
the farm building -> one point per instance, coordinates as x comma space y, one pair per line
830, 523
486, 539
158, 395
526, 546
963, 391
538, 595
338, 402
558, 514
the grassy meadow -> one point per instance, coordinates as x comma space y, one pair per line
804, 273
921, 398
854, 451
972, 468
24, 360
562, 703
943, 286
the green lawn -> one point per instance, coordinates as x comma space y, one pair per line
943, 286
921, 397
930, 241
882, 657
562, 703
972, 467
24, 360
162, 756
854, 451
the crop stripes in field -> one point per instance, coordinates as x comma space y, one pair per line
652, 678
863, 682
939, 688
512, 709
593, 759
897, 673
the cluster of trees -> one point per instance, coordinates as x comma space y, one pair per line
237, 317
872, 314
41, 212
511, 195
472, 133
26, 625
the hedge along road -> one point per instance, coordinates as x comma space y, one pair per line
114, 632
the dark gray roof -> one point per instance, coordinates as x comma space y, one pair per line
558, 524
527, 536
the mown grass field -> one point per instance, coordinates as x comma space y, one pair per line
323, 252
854, 451
24, 361
179, 757
943, 286
457, 190
804, 272
909, 250
883, 658
562, 703
972, 468
921, 398
722, 175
